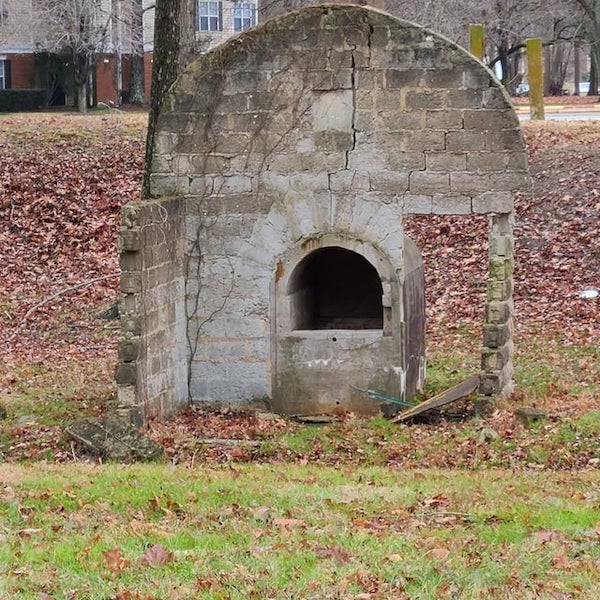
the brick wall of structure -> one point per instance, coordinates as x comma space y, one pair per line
152, 374
326, 126
22, 71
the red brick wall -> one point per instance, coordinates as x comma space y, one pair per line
147, 74
22, 70
105, 79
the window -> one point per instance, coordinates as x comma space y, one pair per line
4, 74
244, 16
210, 15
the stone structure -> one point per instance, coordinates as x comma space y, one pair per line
271, 262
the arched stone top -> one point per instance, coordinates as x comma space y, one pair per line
333, 102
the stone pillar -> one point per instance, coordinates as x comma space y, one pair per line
497, 352
129, 408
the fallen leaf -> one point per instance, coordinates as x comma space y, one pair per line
439, 553
289, 523
395, 558
115, 561
157, 556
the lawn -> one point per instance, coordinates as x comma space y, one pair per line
296, 531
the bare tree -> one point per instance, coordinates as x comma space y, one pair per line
79, 30
508, 23
589, 12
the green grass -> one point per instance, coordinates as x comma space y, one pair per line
294, 531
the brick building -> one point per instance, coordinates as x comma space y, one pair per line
25, 31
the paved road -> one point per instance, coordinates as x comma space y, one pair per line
566, 115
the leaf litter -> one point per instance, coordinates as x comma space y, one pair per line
63, 182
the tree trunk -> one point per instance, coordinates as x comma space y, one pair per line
81, 93
577, 66
593, 75
173, 50
555, 69
136, 85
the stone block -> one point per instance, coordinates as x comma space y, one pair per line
402, 79
417, 204
517, 161
426, 99
446, 161
498, 313
425, 182
131, 282
511, 181
490, 120
334, 141
430, 56
493, 202
130, 261
444, 78
487, 161
332, 110
395, 120
447, 119
129, 239
380, 37
128, 348
489, 384
369, 79
501, 245
465, 141
477, 79
129, 303
421, 141
131, 215
469, 183
131, 323
126, 396
126, 374
394, 58
499, 290
386, 99
464, 99
165, 143
389, 182
494, 97
496, 335
168, 185
400, 161
451, 204
498, 141
501, 268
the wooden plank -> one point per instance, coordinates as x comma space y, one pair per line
452, 395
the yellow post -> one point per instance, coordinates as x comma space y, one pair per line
477, 36
535, 75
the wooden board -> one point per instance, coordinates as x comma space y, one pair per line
452, 395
